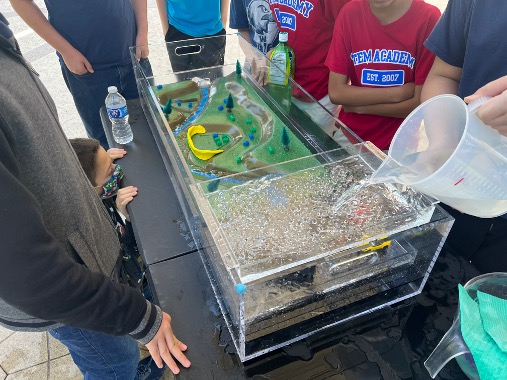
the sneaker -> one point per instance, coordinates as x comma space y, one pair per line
148, 370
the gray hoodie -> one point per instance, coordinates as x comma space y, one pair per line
58, 248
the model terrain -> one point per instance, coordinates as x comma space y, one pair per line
224, 127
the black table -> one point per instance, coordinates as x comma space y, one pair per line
392, 344
157, 219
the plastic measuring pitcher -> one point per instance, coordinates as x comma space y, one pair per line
452, 344
443, 150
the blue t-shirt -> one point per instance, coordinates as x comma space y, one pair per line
197, 18
471, 35
102, 30
255, 16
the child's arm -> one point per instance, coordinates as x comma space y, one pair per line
258, 63
141, 14
33, 16
401, 109
245, 34
162, 13
442, 79
238, 18
224, 12
341, 92
123, 197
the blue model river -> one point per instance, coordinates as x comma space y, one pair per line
198, 111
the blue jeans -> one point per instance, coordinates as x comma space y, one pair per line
98, 355
90, 90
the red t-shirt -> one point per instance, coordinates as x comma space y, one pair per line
310, 28
376, 55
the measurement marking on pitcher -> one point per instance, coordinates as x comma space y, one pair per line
457, 183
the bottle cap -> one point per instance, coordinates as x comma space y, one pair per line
283, 36
112, 89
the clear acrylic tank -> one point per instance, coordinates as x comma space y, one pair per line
293, 236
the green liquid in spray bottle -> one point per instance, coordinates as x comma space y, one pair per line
282, 56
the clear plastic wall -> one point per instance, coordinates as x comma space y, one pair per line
293, 235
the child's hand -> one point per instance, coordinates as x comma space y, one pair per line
404, 92
259, 68
116, 153
123, 198
352, 109
494, 111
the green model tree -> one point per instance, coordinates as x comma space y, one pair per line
285, 139
238, 68
230, 103
168, 108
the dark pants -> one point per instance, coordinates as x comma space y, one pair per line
90, 90
186, 55
482, 241
100, 356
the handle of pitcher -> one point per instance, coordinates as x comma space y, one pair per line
474, 106
472, 109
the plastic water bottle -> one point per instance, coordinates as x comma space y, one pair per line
283, 57
119, 115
